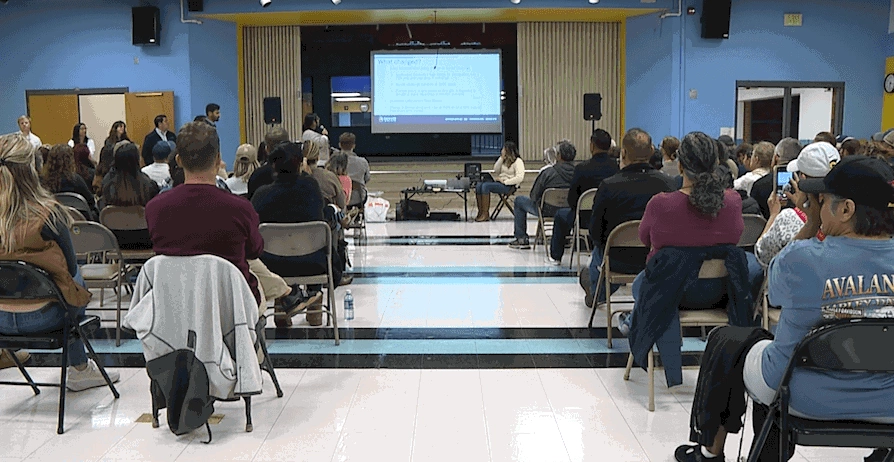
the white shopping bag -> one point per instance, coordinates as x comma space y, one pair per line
376, 209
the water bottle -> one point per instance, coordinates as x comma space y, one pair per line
349, 306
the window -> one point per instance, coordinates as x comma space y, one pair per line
351, 101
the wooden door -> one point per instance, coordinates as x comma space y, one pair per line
141, 110
53, 116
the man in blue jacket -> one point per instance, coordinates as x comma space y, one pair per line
558, 176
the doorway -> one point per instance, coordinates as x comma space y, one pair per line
771, 111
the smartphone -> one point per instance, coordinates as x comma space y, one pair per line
783, 180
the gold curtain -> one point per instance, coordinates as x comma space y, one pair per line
271, 68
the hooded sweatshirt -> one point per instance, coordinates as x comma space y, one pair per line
559, 176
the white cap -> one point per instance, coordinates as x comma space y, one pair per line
815, 160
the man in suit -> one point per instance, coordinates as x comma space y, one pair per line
154, 137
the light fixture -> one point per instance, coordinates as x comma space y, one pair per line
336, 2
344, 95
594, 1
266, 3
362, 99
515, 1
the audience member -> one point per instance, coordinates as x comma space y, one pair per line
550, 155
295, 197
669, 147
621, 198
125, 185
557, 177
727, 163
265, 174
703, 213
657, 160
199, 218
41, 158
851, 147
825, 137
786, 225
245, 165
160, 133
117, 134
330, 185
312, 130
509, 172
84, 165
743, 158
786, 151
25, 130
159, 170
60, 175
212, 114
262, 153
615, 153
358, 167
79, 136
34, 228
104, 166
338, 165
852, 205
761, 163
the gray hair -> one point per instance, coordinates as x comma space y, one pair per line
567, 152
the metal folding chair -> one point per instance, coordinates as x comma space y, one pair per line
91, 239
555, 198
581, 230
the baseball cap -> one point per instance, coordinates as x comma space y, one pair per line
727, 140
246, 152
162, 149
815, 160
865, 180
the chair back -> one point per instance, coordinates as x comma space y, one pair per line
89, 238
552, 200
754, 227
73, 200
75, 214
23, 281
713, 269
853, 345
585, 201
358, 194
131, 218
625, 235
296, 239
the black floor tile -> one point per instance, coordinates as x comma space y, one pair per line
507, 361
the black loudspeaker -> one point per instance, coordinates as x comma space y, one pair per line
592, 106
715, 18
195, 6
472, 171
146, 25
273, 110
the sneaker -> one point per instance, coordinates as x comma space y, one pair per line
624, 323
302, 303
315, 319
693, 453
520, 243
346, 279
6, 358
583, 278
553, 261
88, 378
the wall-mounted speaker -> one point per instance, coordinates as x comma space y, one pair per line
273, 110
592, 106
195, 6
146, 25
715, 18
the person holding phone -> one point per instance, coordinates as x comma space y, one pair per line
787, 225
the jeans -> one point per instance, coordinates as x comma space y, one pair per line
48, 319
562, 228
524, 205
489, 187
755, 274
703, 294
595, 271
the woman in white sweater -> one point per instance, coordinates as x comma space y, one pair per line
761, 163
509, 171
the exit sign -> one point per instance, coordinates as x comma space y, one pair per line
794, 20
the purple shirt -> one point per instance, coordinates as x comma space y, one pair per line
670, 220
204, 220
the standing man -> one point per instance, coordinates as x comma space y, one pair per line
25, 127
212, 114
160, 133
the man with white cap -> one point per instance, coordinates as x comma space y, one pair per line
787, 225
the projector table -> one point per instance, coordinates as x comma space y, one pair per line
409, 193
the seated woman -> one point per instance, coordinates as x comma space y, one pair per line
295, 197
246, 164
34, 228
761, 162
79, 136
125, 185
509, 171
330, 185
84, 166
59, 175
117, 134
338, 165
787, 225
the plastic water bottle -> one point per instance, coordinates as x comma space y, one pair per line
349, 306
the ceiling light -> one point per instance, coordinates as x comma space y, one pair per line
515, 1
336, 2
344, 95
266, 3
353, 100
594, 1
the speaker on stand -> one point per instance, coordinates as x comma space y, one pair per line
593, 108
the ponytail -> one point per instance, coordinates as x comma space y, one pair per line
708, 191
700, 157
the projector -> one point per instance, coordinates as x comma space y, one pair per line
435, 183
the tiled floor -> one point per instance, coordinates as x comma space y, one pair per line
532, 414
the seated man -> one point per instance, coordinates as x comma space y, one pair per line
358, 167
786, 151
159, 171
559, 176
812, 281
264, 174
587, 175
623, 197
198, 218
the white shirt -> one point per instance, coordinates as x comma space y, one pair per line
160, 173
91, 145
237, 186
35, 141
747, 180
163, 135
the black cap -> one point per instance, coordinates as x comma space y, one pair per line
865, 180
727, 140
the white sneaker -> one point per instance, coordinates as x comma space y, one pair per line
553, 261
88, 378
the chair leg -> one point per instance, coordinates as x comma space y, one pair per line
24, 372
154, 408
102, 296
629, 366
593, 313
608, 305
92, 355
757, 445
267, 364
118, 317
63, 380
248, 426
651, 381
333, 312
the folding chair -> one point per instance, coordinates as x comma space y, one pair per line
91, 239
845, 346
711, 269
75, 214
555, 198
505, 200
75, 201
127, 219
581, 230
625, 235
300, 239
355, 206
22, 281
754, 227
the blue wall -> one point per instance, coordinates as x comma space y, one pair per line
839, 41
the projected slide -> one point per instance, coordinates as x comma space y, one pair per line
451, 91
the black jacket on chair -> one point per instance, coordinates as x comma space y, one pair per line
668, 274
150, 141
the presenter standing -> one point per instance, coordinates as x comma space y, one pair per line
509, 171
25, 127
317, 133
